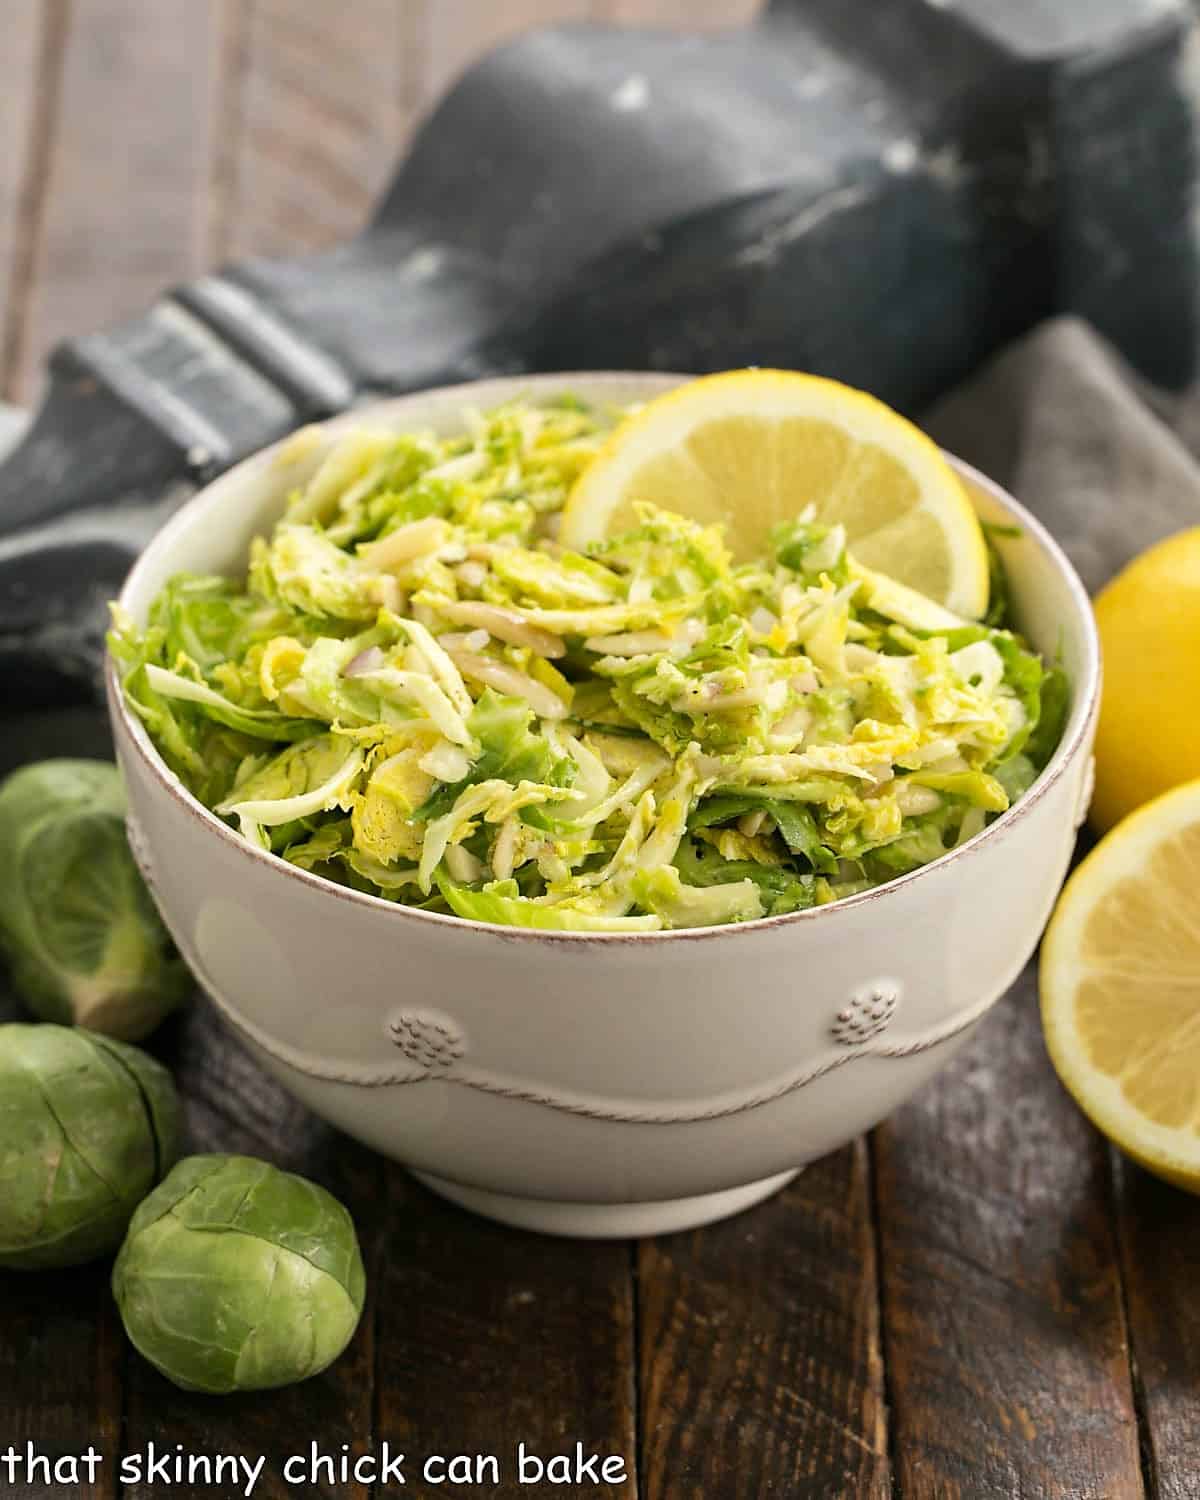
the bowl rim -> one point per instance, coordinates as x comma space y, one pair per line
132, 732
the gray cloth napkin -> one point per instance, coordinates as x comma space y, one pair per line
1108, 463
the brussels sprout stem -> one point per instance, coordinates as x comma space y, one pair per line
121, 998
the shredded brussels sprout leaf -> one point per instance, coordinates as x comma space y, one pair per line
417, 692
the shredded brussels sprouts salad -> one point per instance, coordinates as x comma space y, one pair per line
418, 693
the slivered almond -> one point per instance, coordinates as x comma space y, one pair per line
504, 624
506, 679
401, 546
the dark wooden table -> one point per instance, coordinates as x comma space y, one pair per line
979, 1300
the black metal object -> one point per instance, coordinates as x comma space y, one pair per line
880, 192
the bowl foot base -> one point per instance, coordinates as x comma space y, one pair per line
606, 1221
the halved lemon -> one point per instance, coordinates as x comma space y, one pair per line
751, 448
1120, 980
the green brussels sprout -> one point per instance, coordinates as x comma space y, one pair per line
83, 940
235, 1276
87, 1127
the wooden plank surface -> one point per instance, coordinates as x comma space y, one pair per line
61, 1345
1159, 1228
1005, 1333
30, 62
683, 14
759, 1349
457, 32
322, 107
231, 1105
127, 170
488, 1337
61, 1359
261, 127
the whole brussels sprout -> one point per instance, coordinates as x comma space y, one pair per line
235, 1276
87, 1127
82, 937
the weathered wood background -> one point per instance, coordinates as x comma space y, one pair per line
144, 141
978, 1301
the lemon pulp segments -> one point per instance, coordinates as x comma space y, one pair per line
1120, 975
752, 448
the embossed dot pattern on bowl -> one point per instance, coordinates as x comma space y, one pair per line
433, 1042
868, 1013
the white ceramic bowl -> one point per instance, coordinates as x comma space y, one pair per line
585, 1084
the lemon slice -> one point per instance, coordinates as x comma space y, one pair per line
1120, 975
754, 447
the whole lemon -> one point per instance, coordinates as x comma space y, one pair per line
1149, 735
